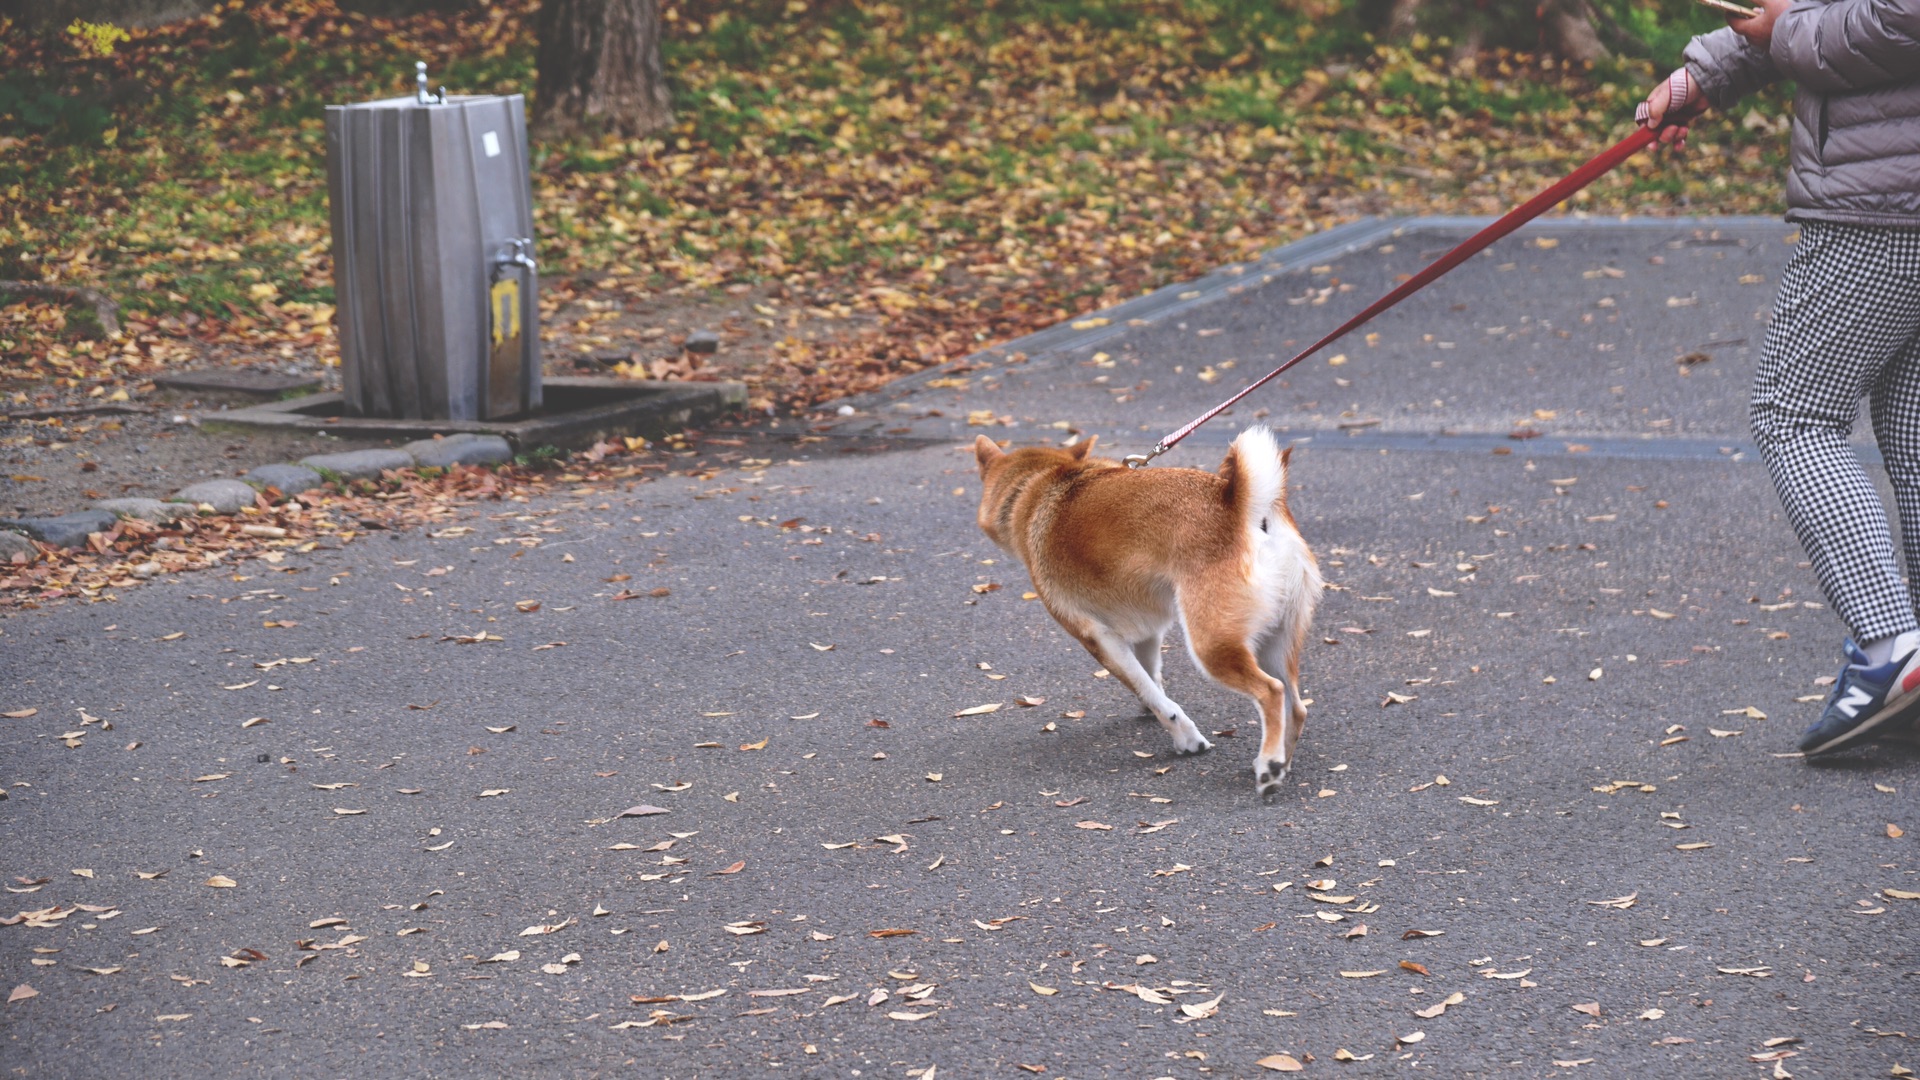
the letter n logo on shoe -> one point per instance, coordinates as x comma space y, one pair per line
1855, 698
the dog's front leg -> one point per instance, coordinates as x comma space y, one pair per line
1148, 653
1112, 650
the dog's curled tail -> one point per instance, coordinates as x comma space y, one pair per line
1256, 475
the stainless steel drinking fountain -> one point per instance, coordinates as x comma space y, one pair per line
434, 276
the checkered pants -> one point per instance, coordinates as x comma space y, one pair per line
1846, 325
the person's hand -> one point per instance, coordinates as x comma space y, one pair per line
1660, 111
1758, 30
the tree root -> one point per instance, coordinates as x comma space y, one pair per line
104, 308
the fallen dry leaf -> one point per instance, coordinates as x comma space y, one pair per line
1280, 1063
1201, 1010
220, 881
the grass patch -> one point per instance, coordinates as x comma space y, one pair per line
1074, 152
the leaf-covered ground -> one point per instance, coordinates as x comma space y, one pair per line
906, 181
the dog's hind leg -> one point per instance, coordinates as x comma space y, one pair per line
1232, 663
1124, 662
1281, 653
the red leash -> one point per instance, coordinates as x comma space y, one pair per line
1532, 208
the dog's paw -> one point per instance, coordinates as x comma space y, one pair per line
1187, 738
1268, 775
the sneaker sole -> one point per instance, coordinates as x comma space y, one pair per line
1910, 705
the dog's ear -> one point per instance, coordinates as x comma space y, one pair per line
1286, 457
1081, 449
986, 452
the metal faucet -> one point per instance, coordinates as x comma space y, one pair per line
420, 94
515, 254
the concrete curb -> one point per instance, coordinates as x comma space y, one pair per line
580, 411
638, 407
229, 495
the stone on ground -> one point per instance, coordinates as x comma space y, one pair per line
143, 509
359, 464
463, 448
65, 531
224, 495
12, 544
289, 479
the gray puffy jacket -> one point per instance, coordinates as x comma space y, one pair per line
1856, 116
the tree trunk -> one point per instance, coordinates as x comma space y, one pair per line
1403, 18
599, 69
1564, 28
1567, 30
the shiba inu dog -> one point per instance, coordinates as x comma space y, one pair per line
1118, 555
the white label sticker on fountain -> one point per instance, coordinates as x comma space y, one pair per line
491, 141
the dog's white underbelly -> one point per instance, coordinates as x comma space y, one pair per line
1285, 585
1137, 616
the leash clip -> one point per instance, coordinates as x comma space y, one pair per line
1140, 461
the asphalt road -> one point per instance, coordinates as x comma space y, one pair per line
1603, 651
